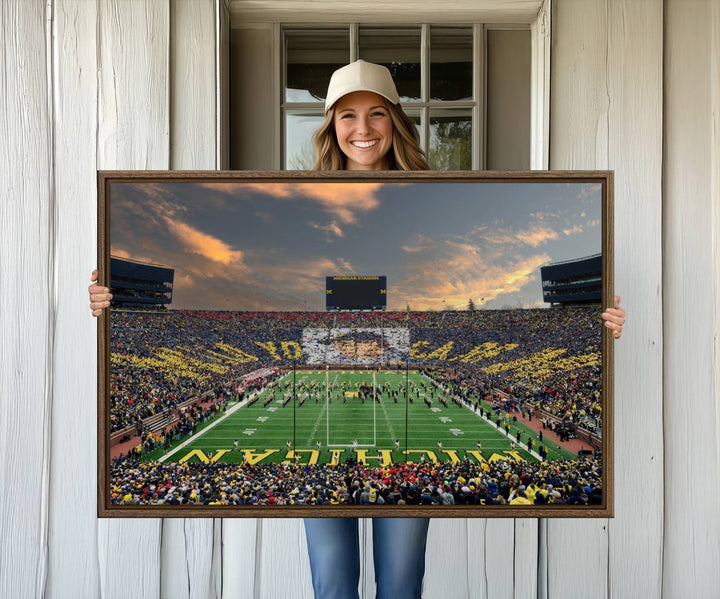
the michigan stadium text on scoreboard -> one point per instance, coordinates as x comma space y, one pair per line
345, 344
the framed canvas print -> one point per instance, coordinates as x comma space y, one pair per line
355, 344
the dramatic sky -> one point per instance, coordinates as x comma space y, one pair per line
269, 246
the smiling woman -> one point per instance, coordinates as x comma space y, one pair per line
364, 131
365, 128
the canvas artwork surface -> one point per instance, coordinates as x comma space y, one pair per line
286, 344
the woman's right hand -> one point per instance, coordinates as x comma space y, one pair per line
99, 296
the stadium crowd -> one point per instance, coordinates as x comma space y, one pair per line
548, 359
502, 482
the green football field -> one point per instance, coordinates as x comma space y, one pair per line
327, 408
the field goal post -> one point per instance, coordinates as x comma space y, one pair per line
327, 416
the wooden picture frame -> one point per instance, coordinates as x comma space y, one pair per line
220, 288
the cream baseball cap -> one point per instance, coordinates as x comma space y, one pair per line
361, 76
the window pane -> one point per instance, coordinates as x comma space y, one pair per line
399, 51
450, 140
451, 56
508, 100
415, 117
311, 58
299, 149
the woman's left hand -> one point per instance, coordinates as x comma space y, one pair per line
615, 318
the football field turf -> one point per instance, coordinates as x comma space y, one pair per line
327, 407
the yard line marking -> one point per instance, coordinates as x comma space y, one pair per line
209, 427
387, 419
317, 423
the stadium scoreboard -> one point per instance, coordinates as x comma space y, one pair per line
356, 293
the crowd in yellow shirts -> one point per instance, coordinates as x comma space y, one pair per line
503, 482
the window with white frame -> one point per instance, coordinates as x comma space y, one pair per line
438, 70
467, 87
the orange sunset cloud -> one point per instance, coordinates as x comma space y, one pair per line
205, 245
574, 230
343, 200
124, 254
332, 228
463, 273
121, 253
536, 236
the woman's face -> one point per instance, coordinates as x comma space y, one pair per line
364, 130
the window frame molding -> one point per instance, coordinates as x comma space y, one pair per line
475, 107
384, 11
498, 16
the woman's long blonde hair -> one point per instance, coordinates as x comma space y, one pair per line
405, 154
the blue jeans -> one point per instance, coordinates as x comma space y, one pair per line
398, 551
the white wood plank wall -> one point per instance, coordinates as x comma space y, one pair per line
606, 112
692, 306
120, 84
73, 541
27, 315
